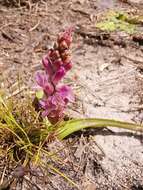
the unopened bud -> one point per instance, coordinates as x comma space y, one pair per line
54, 54
68, 66
63, 45
57, 63
65, 55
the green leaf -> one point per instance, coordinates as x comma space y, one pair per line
72, 126
39, 94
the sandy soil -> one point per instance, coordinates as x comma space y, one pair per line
107, 79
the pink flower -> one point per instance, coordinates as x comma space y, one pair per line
43, 82
47, 65
55, 71
54, 106
66, 93
58, 75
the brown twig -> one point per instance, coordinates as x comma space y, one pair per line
34, 27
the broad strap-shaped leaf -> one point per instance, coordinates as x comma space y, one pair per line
74, 125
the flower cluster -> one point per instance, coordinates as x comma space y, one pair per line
56, 64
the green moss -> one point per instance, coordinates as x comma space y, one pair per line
116, 21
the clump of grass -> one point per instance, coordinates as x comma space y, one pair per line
16, 125
24, 134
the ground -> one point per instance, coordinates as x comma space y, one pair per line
106, 77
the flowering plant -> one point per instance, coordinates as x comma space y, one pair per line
56, 63
54, 97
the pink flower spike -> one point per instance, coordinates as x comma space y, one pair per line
58, 75
42, 81
52, 98
47, 65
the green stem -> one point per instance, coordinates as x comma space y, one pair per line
78, 124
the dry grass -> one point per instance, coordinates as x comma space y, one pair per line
18, 3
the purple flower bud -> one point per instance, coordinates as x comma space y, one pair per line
57, 64
68, 66
63, 46
58, 75
54, 54
47, 66
66, 36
